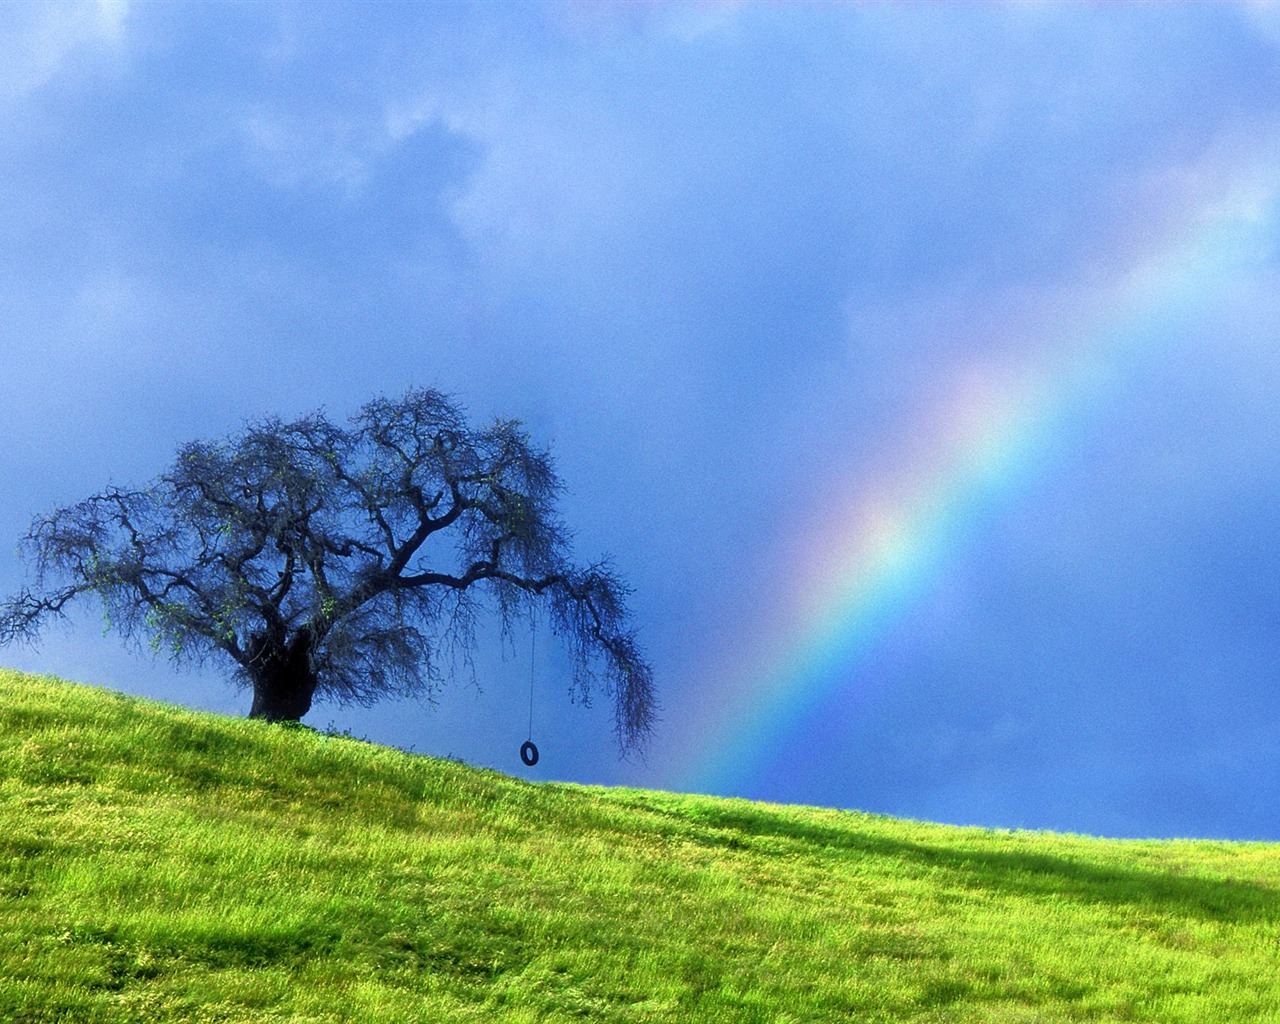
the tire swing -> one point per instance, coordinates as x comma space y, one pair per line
529, 749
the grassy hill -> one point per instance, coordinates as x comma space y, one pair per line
159, 864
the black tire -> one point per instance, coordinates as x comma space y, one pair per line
529, 753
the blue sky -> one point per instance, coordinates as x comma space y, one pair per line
744, 267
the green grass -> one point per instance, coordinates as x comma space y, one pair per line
161, 864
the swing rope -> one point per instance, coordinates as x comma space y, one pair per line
533, 661
529, 749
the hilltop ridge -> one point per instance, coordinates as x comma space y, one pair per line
158, 863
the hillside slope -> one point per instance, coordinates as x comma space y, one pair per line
163, 864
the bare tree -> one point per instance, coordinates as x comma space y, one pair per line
340, 562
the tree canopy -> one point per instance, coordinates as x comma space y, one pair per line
341, 562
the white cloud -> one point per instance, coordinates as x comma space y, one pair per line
686, 22
289, 150
39, 41
1265, 16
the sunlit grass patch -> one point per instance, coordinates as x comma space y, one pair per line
161, 864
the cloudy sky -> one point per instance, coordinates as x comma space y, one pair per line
917, 364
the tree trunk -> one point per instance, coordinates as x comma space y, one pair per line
283, 682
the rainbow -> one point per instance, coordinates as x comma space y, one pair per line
894, 535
